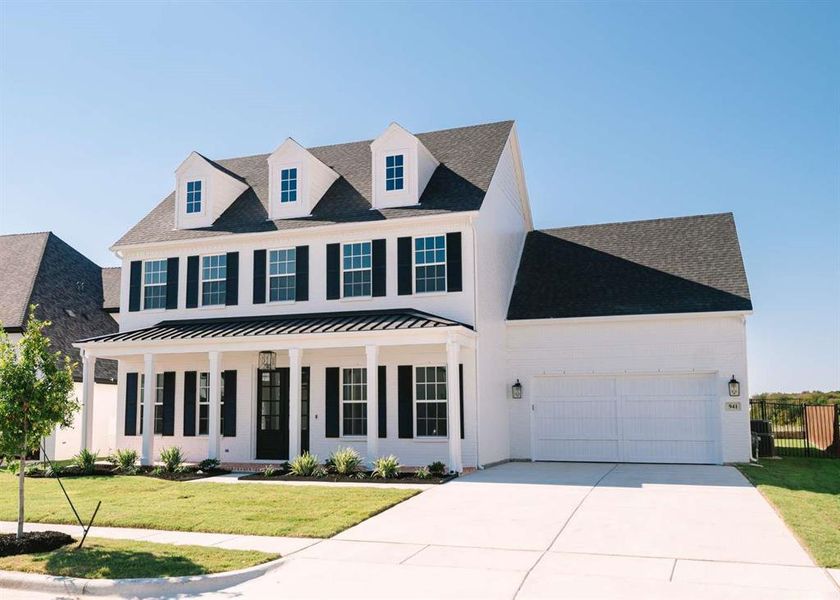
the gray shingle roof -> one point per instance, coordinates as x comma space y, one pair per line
67, 287
468, 157
111, 289
677, 265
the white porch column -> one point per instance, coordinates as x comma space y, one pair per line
214, 421
372, 355
88, 376
453, 404
295, 371
147, 457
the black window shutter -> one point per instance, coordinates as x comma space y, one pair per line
453, 262
383, 401
232, 283
461, 396
405, 401
169, 403
379, 272
404, 283
301, 273
189, 402
331, 396
192, 281
230, 403
172, 283
136, 286
131, 404
259, 276
333, 271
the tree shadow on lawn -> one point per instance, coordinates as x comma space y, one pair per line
95, 562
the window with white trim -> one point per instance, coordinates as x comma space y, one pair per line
354, 401
154, 284
193, 197
158, 404
394, 179
213, 279
431, 401
288, 185
357, 269
281, 275
430, 264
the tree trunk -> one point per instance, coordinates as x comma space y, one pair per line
20, 483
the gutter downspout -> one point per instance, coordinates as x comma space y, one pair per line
477, 342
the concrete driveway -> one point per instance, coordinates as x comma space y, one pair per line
545, 530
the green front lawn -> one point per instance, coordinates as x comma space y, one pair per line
242, 508
806, 491
124, 559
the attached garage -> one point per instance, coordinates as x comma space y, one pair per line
641, 418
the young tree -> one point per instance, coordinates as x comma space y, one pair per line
36, 395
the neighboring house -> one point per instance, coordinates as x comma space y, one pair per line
387, 295
41, 269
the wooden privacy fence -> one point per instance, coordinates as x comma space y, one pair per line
786, 429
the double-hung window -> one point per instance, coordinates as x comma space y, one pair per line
193, 197
288, 185
357, 269
154, 284
430, 264
281, 275
213, 278
394, 179
158, 404
354, 401
204, 404
431, 401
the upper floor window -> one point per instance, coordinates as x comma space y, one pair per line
213, 278
430, 399
357, 269
154, 284
394, 179
193, 196
430, 264
354, 401
281, 275
288, 185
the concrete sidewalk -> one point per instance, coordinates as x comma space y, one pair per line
275, 545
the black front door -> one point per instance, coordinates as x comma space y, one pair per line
273, 414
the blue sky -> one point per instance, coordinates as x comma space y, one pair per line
625, 111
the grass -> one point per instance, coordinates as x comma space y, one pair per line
300, 511
124, 559
806, 492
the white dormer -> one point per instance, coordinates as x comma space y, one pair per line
203, 191
296, 181
402, 166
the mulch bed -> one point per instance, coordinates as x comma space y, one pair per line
35, 541
71, 471
333, 478
186, 475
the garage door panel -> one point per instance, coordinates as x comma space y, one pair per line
665, 385
576, 420
580, 450
575, 387
680, 452
694, 407
665, 430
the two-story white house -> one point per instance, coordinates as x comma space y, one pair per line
389, 295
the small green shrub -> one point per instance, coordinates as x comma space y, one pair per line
85, 461
346, 461
386, 467
423, 473
53, 471
209, 464
172, 459
125, 461
34, 469
437, 468
305, 465
158, 471
13, 466
270, 471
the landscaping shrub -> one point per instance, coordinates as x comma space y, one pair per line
209, 464
437, 468
33, 541
34, 469
346, 461
423, 473
53, 471
172, 459
386, 467
13, 466
125, 461
85, 461
305, 465
270, 471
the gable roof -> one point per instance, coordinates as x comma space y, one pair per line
468, 157
677, 265
20, 259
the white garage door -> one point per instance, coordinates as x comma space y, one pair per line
656, 418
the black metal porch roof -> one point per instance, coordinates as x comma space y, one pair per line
334, 322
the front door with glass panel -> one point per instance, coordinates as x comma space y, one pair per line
273, 414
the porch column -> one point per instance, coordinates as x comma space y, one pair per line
453, 395
372, 355
147, 457
214, 421
88, 375
294, 401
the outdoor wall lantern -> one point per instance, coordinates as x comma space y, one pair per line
516, 390
267, 360
734, 387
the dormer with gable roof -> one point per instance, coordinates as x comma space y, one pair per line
203, 191
401, 168
296, 181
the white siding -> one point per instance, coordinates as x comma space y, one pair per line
67, 441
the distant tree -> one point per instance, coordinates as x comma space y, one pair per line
806, 397
36, 395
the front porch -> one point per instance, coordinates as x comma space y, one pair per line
204, 386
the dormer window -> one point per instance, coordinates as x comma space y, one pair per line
193, 197
288, 185
394, 176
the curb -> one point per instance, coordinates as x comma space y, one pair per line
132, 588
